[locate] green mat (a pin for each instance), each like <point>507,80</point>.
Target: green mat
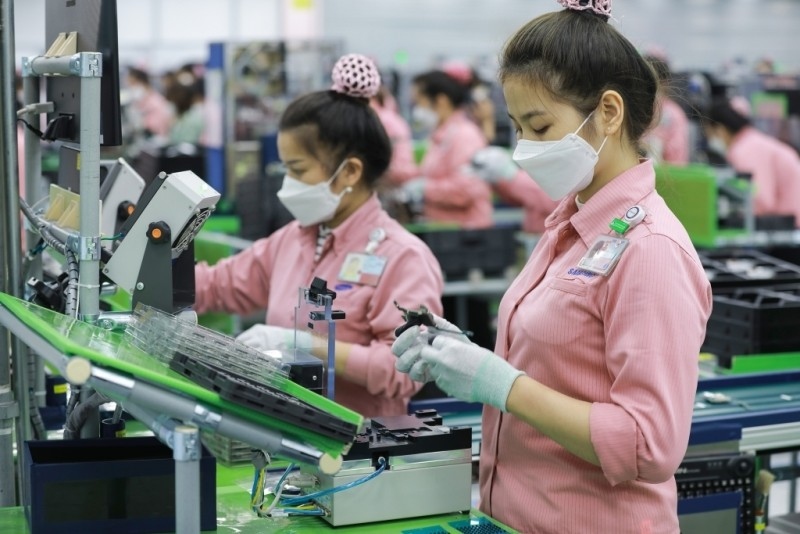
<point>111,351</point>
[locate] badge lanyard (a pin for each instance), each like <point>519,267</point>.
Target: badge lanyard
<point>605,252</point>
<point>365,268</point>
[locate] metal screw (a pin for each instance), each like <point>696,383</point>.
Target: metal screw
<point>140,286</point>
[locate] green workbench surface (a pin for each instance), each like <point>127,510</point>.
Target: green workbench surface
<point>234,515</point>
<point>110,350</point>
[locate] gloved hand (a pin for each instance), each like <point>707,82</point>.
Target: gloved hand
<point>469,372</point>
<point>268,337</point>
<point>408,347</point>
<point>413,191</point>
<point>492,164</point>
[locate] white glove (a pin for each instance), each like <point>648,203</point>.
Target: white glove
<point>408,347</point>
<point>267,337</point>
<point>414,190</point>
<point>469,372</point>
<point>492,164</point>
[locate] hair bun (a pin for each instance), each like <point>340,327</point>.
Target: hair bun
<point>598,7</point>
<point>356,75</point>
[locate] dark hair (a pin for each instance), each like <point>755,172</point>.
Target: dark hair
<point>344,126</point>
<point>139,75</point>
<point>721,113</point>
<point>437,82</point>
<point>576,56</point>
<point>660,67</point>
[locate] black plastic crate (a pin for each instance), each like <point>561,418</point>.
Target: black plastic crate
<point>490,251</point>
<point>732,268</point>
<point>754,320</point>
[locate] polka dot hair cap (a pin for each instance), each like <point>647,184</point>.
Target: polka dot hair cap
<point>599,7</point>
<point>356,75</point>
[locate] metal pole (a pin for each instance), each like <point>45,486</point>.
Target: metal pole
<point>12,280</point>
<point>33,191</point>
<point>89,253</point>
<point>186,453</point>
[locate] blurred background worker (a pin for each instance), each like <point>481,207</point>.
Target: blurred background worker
<point>402,167</point>
<point>669,140</point>
<point>150,112</point>
<point>446,192</point>
<point>335,150</point>
<point>773,165</point>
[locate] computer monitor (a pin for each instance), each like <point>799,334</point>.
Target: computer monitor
<point>96,24</point>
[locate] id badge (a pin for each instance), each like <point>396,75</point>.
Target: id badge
<point>603,255</point>
<point>364,269</point>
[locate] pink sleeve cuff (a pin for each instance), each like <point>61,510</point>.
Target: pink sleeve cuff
<point>614,436</point>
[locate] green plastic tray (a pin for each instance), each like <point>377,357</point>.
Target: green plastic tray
<point>111,351</point>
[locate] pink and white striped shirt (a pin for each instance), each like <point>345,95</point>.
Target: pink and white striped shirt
<point>627,343</point>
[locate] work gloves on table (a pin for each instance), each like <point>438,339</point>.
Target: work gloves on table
<point>268,337</point>
<point>459,367</point>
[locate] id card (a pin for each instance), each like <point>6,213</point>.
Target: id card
<point>603,255</point>
<point>365,269</point>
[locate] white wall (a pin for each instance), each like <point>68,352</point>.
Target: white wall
<point>696,33</point>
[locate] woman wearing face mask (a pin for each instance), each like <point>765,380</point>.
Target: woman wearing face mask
<point>335,149</point>
<point>774,166</point>
<point>446,191</point>
<point>588,396</point>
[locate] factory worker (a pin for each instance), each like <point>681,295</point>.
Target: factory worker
<point>774,165</point>
<point>588,396</point>
<point>446,192</point>
<point>402,167</point>
<point>335,149</point>
<point>668,140</point>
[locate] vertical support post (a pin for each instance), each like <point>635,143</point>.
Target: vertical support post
<point>11,349</point>
<point>33,191</point>
<point>186,453</point>
<point>89,253</point>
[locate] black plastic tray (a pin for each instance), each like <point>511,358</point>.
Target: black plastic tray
<point>246,392</point>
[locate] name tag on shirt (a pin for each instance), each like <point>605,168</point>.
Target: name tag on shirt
<point>603,255</point>
<point>364,269</point>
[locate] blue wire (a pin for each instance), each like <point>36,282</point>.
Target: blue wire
<point>295,511</point>
<point>283,477</point>
<point>292,501</point>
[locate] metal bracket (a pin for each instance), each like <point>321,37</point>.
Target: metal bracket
<point>86,248</point>
<point>186,444</point>
<point>82,65</point>
<point>9,410</point>
<point>205,418</point>
<point>89,64</point>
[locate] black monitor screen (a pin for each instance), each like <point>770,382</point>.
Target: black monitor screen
<point>96,24</point>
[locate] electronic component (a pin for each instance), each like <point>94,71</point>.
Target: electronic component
<point>706,475</point>
<point>170,212</point>
<point>419,317</point>
<point>428,471</point>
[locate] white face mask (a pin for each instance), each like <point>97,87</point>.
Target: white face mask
<point>311,204</point>
<point>560,167</point>
<point>716,144</point>
<point>424,119</point>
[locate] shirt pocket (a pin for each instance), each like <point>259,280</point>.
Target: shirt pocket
<point>570,285</point>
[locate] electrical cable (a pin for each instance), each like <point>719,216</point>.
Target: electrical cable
<point>31,127</point>
<point>292,501</point>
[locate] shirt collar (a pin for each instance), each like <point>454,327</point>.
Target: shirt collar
<point>360,222</point>
<point>611,201</point>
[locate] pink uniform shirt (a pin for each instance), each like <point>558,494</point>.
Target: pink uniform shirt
<point>269,273</point>
<point>775,167</point>
<point>671,134</point>
<point>521,190</point>
<point>452,195</point>
<point>627,343</point>
<point>402,167</point>
<point>157,113</point>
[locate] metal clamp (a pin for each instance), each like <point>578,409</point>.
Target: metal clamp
<point>205,418</point>
<point>83,65</point>
<point>9,410</point>
<point>86,248</point>
<point>186,444</point>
